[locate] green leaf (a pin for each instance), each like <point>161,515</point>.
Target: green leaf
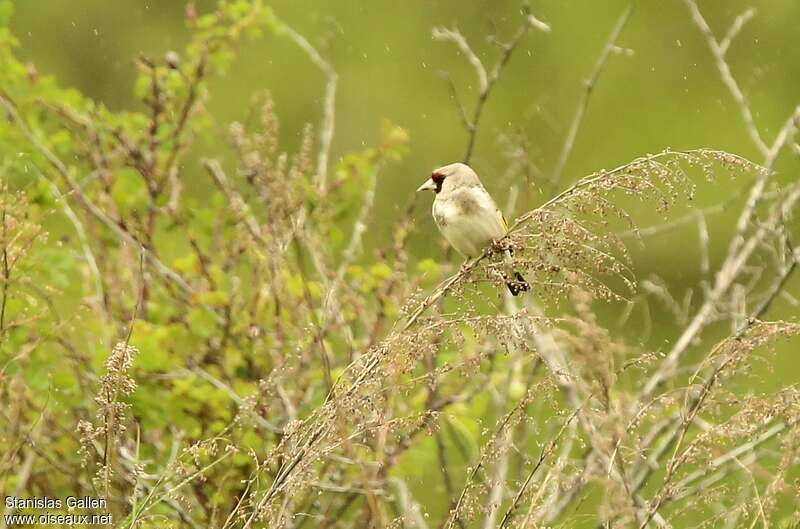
<point>187,263</point>
<point>381,271</point>
<point>202,322</point>
<point>6,10</point>
<point>129,191</point>
<point>429,267</point>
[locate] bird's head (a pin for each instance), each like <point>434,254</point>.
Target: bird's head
<point>450,177</point>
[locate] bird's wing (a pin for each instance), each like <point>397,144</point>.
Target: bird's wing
<point>502,220</point>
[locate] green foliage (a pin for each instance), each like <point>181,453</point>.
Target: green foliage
<point>177,329</point>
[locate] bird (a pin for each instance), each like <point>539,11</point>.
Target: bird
<point>468,217</point>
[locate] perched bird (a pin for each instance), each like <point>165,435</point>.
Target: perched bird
<point>468,217</point>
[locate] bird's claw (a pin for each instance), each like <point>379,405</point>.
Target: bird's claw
<point>499,245</point>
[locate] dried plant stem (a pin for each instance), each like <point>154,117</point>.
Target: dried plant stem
<point>695,400</point>
<point>643,474</point>
<point>24,472</point>
<point>739,252</point>
<point>240,402</point>
<point>546,451</point>
<point>499,428</point>
<point>583,104</point>
<point>688,218</point>
<point>98,213</point>
<point>778,285</point>
<point>505,442</point>
<point>187,108</point>
<point>740,248</point>
<point>6,270</point>
<point>88,254</point>
<point>718,50</point>
<point>486,79</point>
<point>329,104</point>
<point>732,455</point>
<point>349,255</point>
<point>412,513</point>
<point>468,267</point>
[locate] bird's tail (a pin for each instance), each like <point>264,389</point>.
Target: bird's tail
<point>517,285</point>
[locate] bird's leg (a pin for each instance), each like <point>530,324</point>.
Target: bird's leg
<point>464,267</point>
<point>500,245</point>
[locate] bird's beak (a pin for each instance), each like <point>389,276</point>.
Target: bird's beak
<point>428,185</point>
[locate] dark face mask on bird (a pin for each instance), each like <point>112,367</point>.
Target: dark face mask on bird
<point>468,217</point>
<point>434,183</point>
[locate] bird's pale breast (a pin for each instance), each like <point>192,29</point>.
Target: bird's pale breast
<point>468,219</point>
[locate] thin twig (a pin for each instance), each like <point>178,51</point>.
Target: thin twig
<point>739,251</point>
<point>546,451</point>
<point>589,84</point>
<point>718,50</point>
<point>240,402</point>
<point>445,286</point>
<point>329,104</point>
<point>75,189</point>
<point>486,79</point>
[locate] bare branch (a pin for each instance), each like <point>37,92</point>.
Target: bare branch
<point>736,27</point>
<point>454,36</point>
<point>75,189</point>
<point>718,51</point>
<point>739,252</point>
<point>329,105</point>
<point>486,79</point>
<point>589,84</point>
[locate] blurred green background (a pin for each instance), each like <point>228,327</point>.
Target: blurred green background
<point>661,91</point>
<point>664,92</point>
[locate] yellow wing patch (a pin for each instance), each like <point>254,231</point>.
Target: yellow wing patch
<point>503,220</point>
